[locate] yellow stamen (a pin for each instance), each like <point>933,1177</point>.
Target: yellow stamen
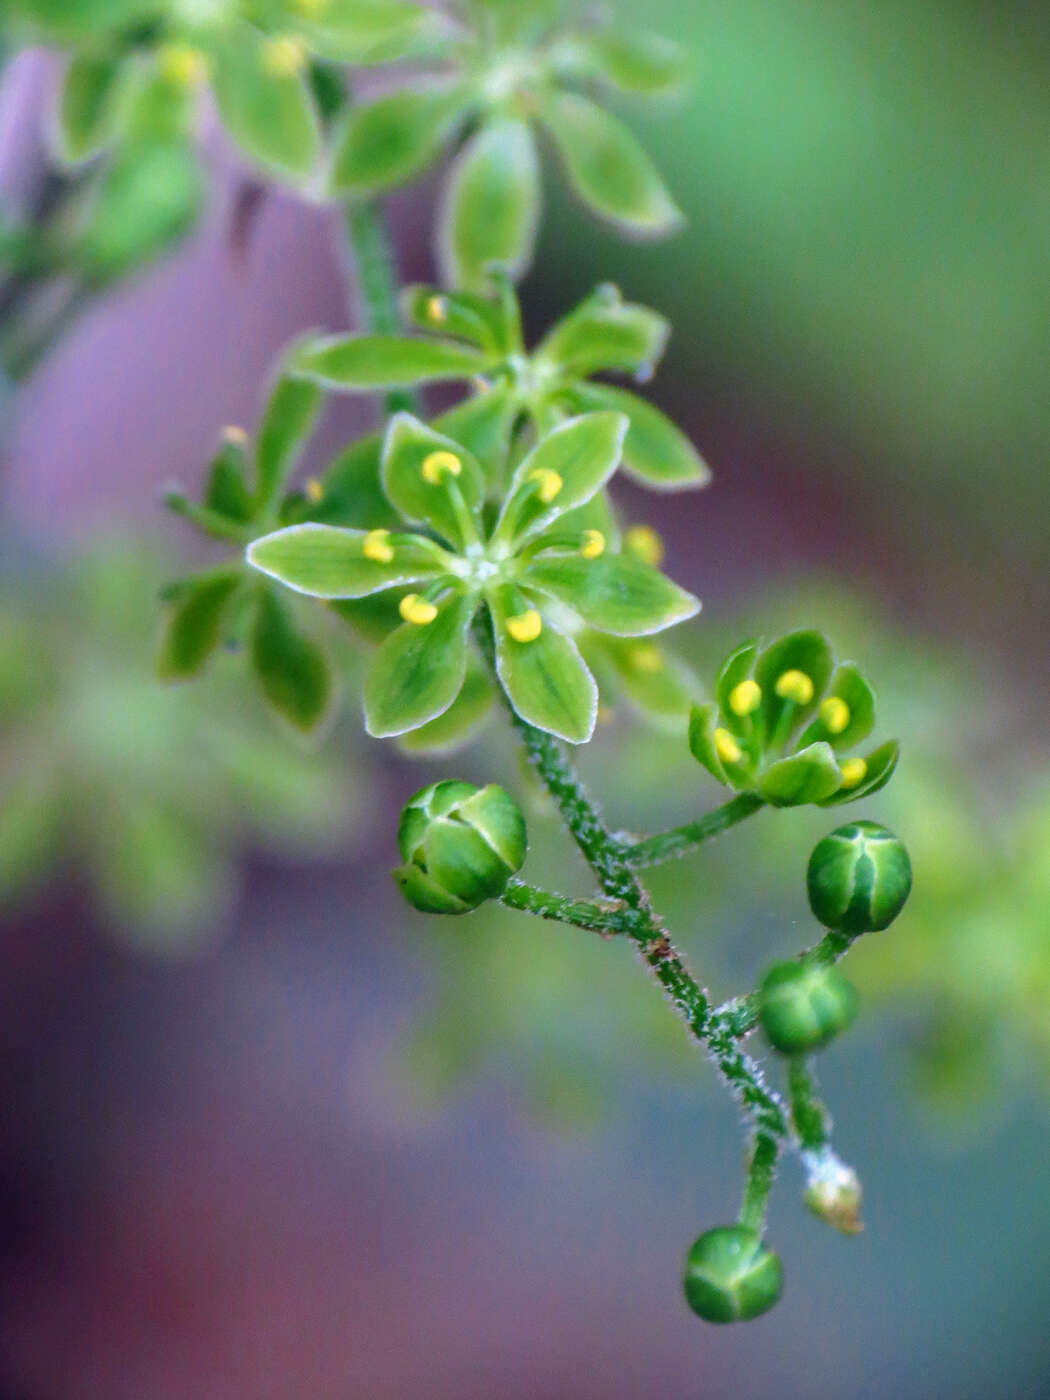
<point>550,483</point>
<point>526,627</point>
<point>645,544</point>
<point>726,747</point>
<point>648,659</point>
<point>415,609</point>
<point>796,686</point>
<point>437,309</point>
<point>231,433</point>
<point>311,9</point>
<point>314,490</point>
<point>745,698</point>
<point>377,547</point>
<point>854,771</point>
<point>183,66</point>
<point>835,713</point>
<point>283,56</point>
<point>593,546</point>
<point>436,464</point>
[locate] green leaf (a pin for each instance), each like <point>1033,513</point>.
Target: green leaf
<point>483,423</point>
<point>329,561</point>
<point>491,205</point>
<point>448,504</point>
<point>805,651</point>
<point>465,315</point>
<point>291,668</point>
<point>849,686</point>
<point>582,452</point>
<point>460,722</point>
<point>608,168</point>
<point>288,421</point>
<point>271,115</point>
<point>359,362</point>
<point>227,491</point>
<point>881,765</point>
<point>418,671</point>
<point>615,593</point>
<point>703,720</point>
<point>194,627</point>
<point>634,60</point>
<point>605,333</point>
<point>655,451</point>
<point>392,140</point>
<point>546,679</point>
<point>89,104</point>
<point>811,775</point>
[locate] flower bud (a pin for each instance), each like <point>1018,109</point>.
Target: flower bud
<point>801,1006</point>
<point>460,844</point>
<point>833,1191</point>
<point>730,1276</point>
<point>858,878</point>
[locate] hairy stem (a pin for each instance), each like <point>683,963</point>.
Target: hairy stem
<point>580,913</point>
<point>761,1173</point>
<point>680,840</point>
<point>810,1117</point>
<point>374,261</point>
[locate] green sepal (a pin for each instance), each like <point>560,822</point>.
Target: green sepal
<point>736,668</point>
<point>606,333</point>
<point>811,775</point>
<point>882,763</point>
<point>655,451</point>
<point>483,423</point>
<point>418,671</point>
<point>703,721</point>
<point>89,104</point>
<point>849,685</point>
<point>288,421</point>
<point>607,167</point>
<point>546,680</point>
<point>272,117</point>
<point>329,561</point>
<point>460,722</point>
<point>292,669</point>
<point>615,593</point>
<point>806,651</point>
<point>464,315</point>
<point>633,60</point>
<point>459,859</point>
<point>490,208</point>
<point>407,446</point>
<point>392,140</point>
<point>360,362</point>
<point>193,628</point>
<point>226,491</point>
<point>425,894</point>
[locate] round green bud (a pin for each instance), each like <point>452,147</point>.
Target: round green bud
<point>460,844</point>
<point>730,1276</point>
<point>801,1006</point>
<point>858,878</point>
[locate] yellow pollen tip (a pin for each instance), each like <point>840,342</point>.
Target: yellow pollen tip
<point>835,713</point>
<point>647,659</point>
<point>645,544</point>
<point>593,546</point>
<point>854,771</point>
<point>314,490</point>
<point>745,698</point>
<point>183,66</point>
<point>796,686</point>
<point>549,482</point>
<point>437,310</point>
<point>231,433</point>
<point>727,748</point>
<point>377,547</point>
<point>283,56</point>
<point>526,627</point>
<point>436,464</point>
<point>417,610</point>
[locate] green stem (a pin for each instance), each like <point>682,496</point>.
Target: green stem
<point>761,1174</point>
<point>374,260</point>
<point>810,1117</point>
<point>682,839</point>
<point>581,913</point>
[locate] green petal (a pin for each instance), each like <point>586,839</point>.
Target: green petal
<point>805,651</point>
<point>290,415</point>
<point>292,670</point>
<point>352,493</point>
<point>655,451</point>
<point>392,140</point>
<point>882,763</point>
<point>491,205</point>
<point>426,894</point>
<point>89,104</point>
<point>634,60</point>
<point>328,561</point>
<point>849,685</point>
<point>703,720</point>
<point>449,505</point>
<point>83,19</point>
<point>460,722</point>
<point>655,681</point>
<point>583,451</point>
<point>737,666</point>
<point>271,116</point>
<point>359,362</point>
<point>546,680</point>
<point>194,626</point>
<point>606,333</point>
<point>595,514</point>
<point>418,671</point>
<point>608,168</point>
<point>483,423</point>
<point>227,490</point>
<point>615,593</point>
<point>465,315</point>
<point>368,31</point>
<point>811,775</point>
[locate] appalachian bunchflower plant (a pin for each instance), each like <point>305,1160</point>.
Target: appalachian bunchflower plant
<point>539,571</point>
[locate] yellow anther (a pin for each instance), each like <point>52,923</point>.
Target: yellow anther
<point>437,309</point>
<point>284,56</point>
<point>415,609</point>
<point>645,544</point>
<point>377,547</point>
<point>835,713</point>
<point>549,483</point>
<point>854,771</point>
<point>479,385</point>
<point>593,546</point>
<point>314,490</point>
<point>745,698</point>
<point>183,66</point>
<point>311,9</point>
<point>231,433</point>
<point>726,747</point>
<point>526,627</point>
<point>796,686</point>
<point>437,464</point>
<point>647,659</point>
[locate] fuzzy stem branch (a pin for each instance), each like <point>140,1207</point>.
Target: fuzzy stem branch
<point>605,919</point>
<point>761,1174</point>
<point>680,840</point>
<point>810,1117</point>
<point>373,256</point>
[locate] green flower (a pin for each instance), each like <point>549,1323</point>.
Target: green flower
<point>540,569</point>
<point>510,71</point>
<point>460,845</point>
<point>478,339</point>
<point>782,719</point>
<point>802,1006</point>
<point>730,1276</point>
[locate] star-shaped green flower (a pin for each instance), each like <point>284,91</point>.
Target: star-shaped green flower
<point>541,573</point>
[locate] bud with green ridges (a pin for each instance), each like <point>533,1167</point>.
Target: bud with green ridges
<point>461,844</point>
<point>801,1006</point>
<point>730,1276</point>
<point>858,878</point>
